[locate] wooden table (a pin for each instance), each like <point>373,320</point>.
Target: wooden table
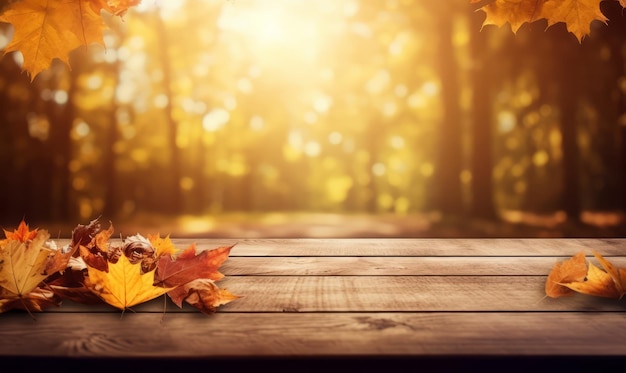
<point>366,302</point>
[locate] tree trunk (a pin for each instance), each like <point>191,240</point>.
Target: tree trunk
<point>111,197</point>
<point>449,152</point>
<point>482,204</point>
<point>567,73</point>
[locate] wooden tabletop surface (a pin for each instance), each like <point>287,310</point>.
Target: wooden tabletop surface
<point>360,299</point>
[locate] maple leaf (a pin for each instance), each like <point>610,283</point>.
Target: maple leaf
<point>123,286</point>
<point>514,12</point>
<point>571,270</point>
<point>576,14</point>
<point>187,266</point>
<point>24,265</point>
<point>49,29</point>
<point>21,233</point>
<point>201,293</point>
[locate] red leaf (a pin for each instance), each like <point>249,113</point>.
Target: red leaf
<point>188,266</point>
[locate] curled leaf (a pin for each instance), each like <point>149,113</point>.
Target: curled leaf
<point>571,270</point>
<point>607,282</point>
<point>203,294</point>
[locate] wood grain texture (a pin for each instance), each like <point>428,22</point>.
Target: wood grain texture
<point>395,266</point>
<point>312,334</point>
<point>351,297</point>
<point>382,247</point>
<point>414,247</point>
<point>277,294</point>
<point>402,294</point>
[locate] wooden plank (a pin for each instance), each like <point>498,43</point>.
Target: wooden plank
<point>383,294</point>
<point>401,294</point>
<point>336,334</point>
<point>395,266</point>
<point>522,247</point>
<point>414,247</point>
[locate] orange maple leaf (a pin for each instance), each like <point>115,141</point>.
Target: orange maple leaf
<point>21,233</point>
<point>187,266</point>
<point>193,277</point>
<point>576,14</point>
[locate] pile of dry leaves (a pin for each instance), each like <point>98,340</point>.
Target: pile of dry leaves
<point>36,274</point>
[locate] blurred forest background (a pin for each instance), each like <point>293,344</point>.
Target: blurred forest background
<point>334,118</point>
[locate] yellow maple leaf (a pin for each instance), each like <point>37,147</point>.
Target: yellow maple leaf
<point>23,265</point>
<point>49,29</point>
<point>576,14</point>
<point>514,12</point>
<point>123,286</point>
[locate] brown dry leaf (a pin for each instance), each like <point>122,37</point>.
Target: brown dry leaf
<point>98,251</point>
<point>70,285</point>
<point>203,294</point>
<point>572,270</point>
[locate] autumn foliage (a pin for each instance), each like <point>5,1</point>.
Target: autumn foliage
<point>577,15</point>
<point>45,30</point>
<point>35,274</point>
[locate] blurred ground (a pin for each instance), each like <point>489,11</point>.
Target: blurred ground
<point>512,224</point>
